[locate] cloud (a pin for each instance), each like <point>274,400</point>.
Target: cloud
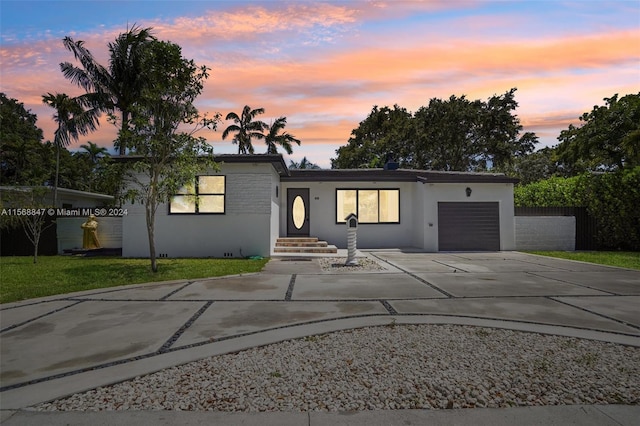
<point>324,65</point>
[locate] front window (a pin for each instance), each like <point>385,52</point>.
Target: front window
<point>370,205</point>
<point>204,195</point>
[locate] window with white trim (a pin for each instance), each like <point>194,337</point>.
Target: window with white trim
<point>370,205</point>
<point>205,195</point>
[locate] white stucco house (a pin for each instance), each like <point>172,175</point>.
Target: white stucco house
<point>253,200</point>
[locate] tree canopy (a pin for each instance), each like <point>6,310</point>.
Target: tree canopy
<point>608,139</point>
<point>453,134</point>
<point>23,161</point>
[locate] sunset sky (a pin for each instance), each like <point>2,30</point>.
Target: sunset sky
<point>324,65</point>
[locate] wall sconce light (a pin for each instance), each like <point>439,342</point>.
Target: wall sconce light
<point>468,191</point>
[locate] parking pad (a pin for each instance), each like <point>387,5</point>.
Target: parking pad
<point>529,309</point>
<point>87,334</point>
<point>224,319</point>
<point>16,315</point>
<point>154,291</point>
<point>490,265</point>
<point>504,284</point>
<point>417,263</point>
<point>625,308</point>
<point>251,287</point>
<point>621,281</point>
<point>361,287</point>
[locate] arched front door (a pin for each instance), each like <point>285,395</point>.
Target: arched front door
<point>298,212</point>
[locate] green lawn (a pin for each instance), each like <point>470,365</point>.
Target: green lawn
<point>21,279</point>
<point>623,259</point>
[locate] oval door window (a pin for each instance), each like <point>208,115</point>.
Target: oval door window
<point>298,212</point>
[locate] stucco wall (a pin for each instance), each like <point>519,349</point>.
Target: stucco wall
<point>322,215</point>
<point>70,233</point>
<point>451,192</point>
<point>545,233</point>
<point>244,230</point>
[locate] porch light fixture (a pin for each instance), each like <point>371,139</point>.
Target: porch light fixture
<point>468,191</point>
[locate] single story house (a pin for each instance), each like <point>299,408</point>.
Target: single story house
<point>253,200</point>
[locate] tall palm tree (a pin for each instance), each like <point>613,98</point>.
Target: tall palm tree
<point>121,84</point>
<point>94,151</point>
<point>73,120</point>
<point>272,138</point>
<point>245,128</point>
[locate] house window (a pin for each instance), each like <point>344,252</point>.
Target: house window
<point>204,195</point>
<point>370,205</point>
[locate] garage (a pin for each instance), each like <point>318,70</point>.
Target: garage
<point>468,226</point>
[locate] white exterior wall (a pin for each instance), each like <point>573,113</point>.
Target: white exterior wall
<point>244,230</point>
<point>546,233</point>
<point>70,232</point>
<point>481,192</point>
<point>322,215</point>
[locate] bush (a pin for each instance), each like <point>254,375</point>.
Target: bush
<point>612,198</point>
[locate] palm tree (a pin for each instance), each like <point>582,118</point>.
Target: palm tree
<point>119,86</point>
<point>73,120</point>
<point>303,164</point>
<point>284,140</point>
<point>245,128</point>
<point>94,151</point>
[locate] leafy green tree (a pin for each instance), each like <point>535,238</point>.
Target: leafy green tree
<point>463,135</point>
<point>608,139</point>
<point>303,164</point>
<point>73,120</point>
<point>536,166</point>
<point>118,86</point>
<point>166,157</point>
<point>22,157</point>
<point>273,138</point>
<point>453,134</point>
<point>448,134</point>
<point>246,127</point>
<point>385,134</point>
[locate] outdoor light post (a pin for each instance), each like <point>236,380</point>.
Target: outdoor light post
<point>352,228</point>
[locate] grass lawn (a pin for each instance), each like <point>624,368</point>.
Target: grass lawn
<point>623,259</point>
<point>21,279</point>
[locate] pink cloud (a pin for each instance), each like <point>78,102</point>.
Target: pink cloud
<point>327,88</point>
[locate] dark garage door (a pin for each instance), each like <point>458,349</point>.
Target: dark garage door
<point>468,226</point>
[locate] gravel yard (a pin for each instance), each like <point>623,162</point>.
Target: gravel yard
<point>389,367</point>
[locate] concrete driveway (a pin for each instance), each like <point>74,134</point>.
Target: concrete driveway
<point>56,346</point>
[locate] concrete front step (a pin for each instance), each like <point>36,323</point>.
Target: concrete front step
<point>327,249</point>
<point>302,244</point>
<point>297,240</point>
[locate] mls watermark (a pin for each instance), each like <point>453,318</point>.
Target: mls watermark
<point>66,212</point>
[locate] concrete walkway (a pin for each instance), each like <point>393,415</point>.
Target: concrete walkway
<point>57,346</point>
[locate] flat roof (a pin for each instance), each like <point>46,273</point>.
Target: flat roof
<point>353,175</point>
<point>399,175</point>
<point>276,160</point>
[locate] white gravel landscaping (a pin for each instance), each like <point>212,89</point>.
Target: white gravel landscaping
<point>337,264</point>
<point>389,367</point>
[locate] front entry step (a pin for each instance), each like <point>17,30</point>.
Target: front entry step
<point>303,245</point>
